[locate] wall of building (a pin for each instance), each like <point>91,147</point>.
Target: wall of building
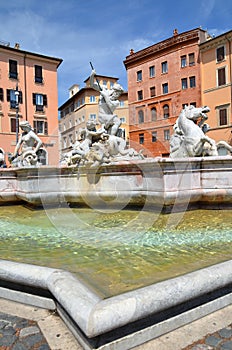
<point>47,118</point>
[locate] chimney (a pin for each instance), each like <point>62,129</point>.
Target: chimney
<point>175,32</point>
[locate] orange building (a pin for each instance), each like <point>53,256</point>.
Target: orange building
<point>28,91</point>
<point>81,106</point>
<point>162,79</point>
<point>216,70</point>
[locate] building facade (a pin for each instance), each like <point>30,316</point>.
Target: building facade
<point>162,79</point>
<point>81,106</point>
<point>28,91</point>
<point>216,70</point>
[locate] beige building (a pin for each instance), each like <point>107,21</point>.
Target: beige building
<point>216,85</point>
<point>81,106</point>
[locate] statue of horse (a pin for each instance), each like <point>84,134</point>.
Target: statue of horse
<point>189,139</point>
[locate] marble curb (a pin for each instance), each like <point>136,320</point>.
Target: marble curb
<point>96,316</point>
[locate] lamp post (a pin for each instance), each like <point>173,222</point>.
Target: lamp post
<point>17,112</point>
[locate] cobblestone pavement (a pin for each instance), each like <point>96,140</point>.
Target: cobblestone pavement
<point>220,340</point>
<point>18,333</point>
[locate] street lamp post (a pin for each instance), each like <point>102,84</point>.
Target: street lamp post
<point>17,113</point>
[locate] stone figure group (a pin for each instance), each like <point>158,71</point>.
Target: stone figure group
<point>189,138</point>
<point>25,153</point>
<point>98,146</point>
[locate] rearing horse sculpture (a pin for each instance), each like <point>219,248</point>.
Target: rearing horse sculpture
<point>189,140</point>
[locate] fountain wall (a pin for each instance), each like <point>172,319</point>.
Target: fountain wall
<point>156,181</point>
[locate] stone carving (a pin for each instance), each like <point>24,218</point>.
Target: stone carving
<point>190,139</point>
<point>102,146</point>
<point>29,144</point>
<point>108,102</point>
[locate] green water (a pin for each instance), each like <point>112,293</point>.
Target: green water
<point>116,251</point>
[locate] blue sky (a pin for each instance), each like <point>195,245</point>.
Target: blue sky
<point>103,32</point>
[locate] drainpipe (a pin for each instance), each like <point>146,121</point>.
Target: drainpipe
<point>25,86</point>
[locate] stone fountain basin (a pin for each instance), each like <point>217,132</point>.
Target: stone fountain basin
<point>125,320</point>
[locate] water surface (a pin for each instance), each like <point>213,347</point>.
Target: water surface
<point>116,251</point>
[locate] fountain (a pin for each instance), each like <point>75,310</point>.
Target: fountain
<point>103,251</point>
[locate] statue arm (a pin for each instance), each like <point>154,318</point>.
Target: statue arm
<point>93,84</point>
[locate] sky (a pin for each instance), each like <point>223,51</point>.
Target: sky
<point>103,31</point>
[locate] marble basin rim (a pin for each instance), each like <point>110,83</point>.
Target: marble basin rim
<point>96,316</point>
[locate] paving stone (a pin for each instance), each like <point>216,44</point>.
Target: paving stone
<point>28,331</point>
<point>202,347</point>
<point>212,340</point>
<point>7,340</point>
<point>44,347</point>
<point>227,345</point>
<point>32,340</point>
<point>225,332</point>
<point>19,346</point>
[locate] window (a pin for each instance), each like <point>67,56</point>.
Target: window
<point>92,117</point>
<point>13,99</point>
<point>13,124</point>
<point>166,111</point>
<point>121,103</point>
<point>152,71</point>
<point>141,139</point>
<point>220,53</point>
<point>42,156</point>
<point>193,104</point>
<point>1,94</point>
<point>13,70</point>
<point>140,95</point>
<point>122,120</point>
<point>183,61</point>
<point>221,76</point>
<point>184,83</point>
<point>38,74</point>
<point>192,82</point>
<point>164,67</point>
<point>152,91</point>
<point>40,127</point>
<point>153,114</point>
<point>191,59</point>
<point>167,134</point>
<point>154,136</point>
<point>139,75</point>
<point>92,99</point>
<point>141,117</point>
<point>165,88</point>
<point>223,116</point>
<point>39,101</point>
